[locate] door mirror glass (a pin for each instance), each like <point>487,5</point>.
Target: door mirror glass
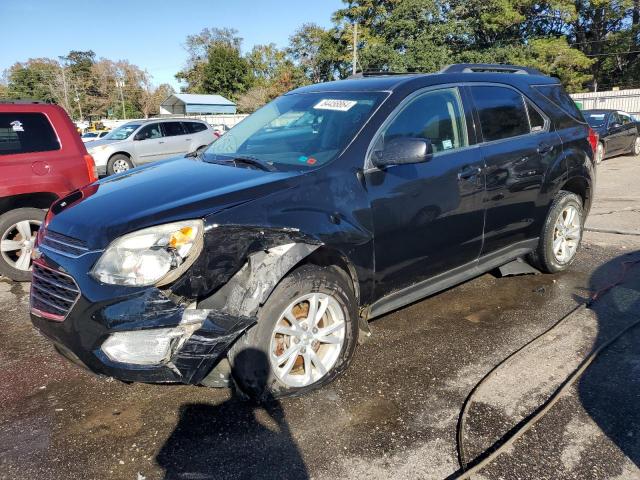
<point>614,125</point>
<point>403,150</point>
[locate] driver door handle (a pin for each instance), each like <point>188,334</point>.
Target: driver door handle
<point>469,171</point>
<point>545,148</point>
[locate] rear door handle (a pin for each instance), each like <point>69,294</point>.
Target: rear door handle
<point>469,171</point>
<point>187,139</point>
<point>544,148</point>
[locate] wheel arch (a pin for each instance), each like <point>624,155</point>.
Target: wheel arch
<point>41,200</point>
<point>581,187</point>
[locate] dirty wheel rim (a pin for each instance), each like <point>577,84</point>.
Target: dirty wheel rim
<point>17,243</point>
<point>566,234</point>
<point>636,146</point>
<point>307,339</point>
<point>599,153</point>
<point>120,166</point>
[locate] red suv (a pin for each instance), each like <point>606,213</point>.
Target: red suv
<point>42,158</point>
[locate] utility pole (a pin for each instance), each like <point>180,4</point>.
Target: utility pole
<point>63,65</point>
<point>120,85</point>
<point>75,88</point>
<point>355,47</point>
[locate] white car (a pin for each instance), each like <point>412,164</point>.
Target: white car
<point>143,141</point>
<point>91,136</point>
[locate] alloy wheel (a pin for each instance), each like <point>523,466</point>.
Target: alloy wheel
<point>636,147</point>
<point>307,339</point>
<point>17,244</point>
<point>566,234</point>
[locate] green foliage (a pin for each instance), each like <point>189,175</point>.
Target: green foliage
<point>225,73</point>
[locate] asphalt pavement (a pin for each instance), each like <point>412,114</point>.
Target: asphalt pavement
<point>394,413</point>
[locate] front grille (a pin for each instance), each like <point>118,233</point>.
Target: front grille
<point>63,243</point>
<point>52,293</point>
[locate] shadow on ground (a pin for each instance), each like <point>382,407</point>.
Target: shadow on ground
<point>217,441</point>
<point>610,388</point>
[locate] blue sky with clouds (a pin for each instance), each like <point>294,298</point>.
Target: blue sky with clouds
<point>148,33</point>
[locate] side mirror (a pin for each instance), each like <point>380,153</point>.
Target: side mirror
<point>403,150</point>
<point>614,125</point>
<point>138,136</point>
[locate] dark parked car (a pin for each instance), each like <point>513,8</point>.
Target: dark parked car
<point>42,159</point>
<point>618,132</point>
<point>330,206</point>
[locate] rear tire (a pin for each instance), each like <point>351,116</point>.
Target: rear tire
<point>15,249</point>
<point>561,234</point>
<point>118,163</point>
<point>314,353</point>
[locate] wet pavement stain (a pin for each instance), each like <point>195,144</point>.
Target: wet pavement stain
<point>393,413</point>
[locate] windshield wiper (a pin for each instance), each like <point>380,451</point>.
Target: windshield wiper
<point>253,161</point>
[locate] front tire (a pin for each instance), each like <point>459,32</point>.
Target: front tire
<point>305,336</point>
<point>561,234</point>
<point>119,163</point>
<point>600,153</point>
<point>635,150</point>
<point>17,236</point>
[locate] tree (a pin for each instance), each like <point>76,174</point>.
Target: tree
<point>318,52</point>
<point>198,48</point>
<point>226,73</point>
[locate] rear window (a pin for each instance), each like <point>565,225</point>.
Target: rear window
<point>502,112</point>
<point>556,94</point>
<point>194,127</point>
<point>26,133</point>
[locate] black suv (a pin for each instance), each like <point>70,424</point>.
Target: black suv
<point>334,204</point>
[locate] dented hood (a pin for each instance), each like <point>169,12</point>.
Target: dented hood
<point>158,193</point>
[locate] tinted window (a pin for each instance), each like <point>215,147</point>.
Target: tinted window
<point>502,112</point>
<point>26,133</point>
<point>171,129</point>
<point>614,118</point>
<point>436,116</point>
<point>149,132</point>
<point>535,118</point>
<point>194,127</point>
<point>557,95</point>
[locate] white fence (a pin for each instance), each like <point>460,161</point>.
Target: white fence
<point>625,100</point>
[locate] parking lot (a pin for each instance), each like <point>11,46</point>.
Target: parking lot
<point>395,411</point>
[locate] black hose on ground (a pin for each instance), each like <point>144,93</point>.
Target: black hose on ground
<point>470,468</point>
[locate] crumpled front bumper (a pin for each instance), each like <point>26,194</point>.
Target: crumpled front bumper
<point>102,310</point>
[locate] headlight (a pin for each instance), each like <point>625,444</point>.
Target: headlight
<point>155,255</point>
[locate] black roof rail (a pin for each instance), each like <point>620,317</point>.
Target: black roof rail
<point>379,73</point>
<point>489,67</point>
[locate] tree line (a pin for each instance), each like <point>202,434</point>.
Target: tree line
<point>86,87</point>
<point>588,44</point>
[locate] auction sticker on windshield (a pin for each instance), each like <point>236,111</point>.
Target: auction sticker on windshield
<point>335,104</point>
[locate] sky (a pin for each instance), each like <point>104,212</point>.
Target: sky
<point>149,34</point>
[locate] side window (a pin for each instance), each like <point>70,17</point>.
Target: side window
<point>172,129</point>
<point>535,118</point>
<point>502,112</point>
<point>149,132</point>
<point>26,133</point>
<point>625,119</point>
<point>615,118</point>
<point>556,94</point>
<point>194,127</point>
<point>436,116</point>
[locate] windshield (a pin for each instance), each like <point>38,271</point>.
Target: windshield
<point>298,130</point>
<point>595,119</point>
<point>122,132</point>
